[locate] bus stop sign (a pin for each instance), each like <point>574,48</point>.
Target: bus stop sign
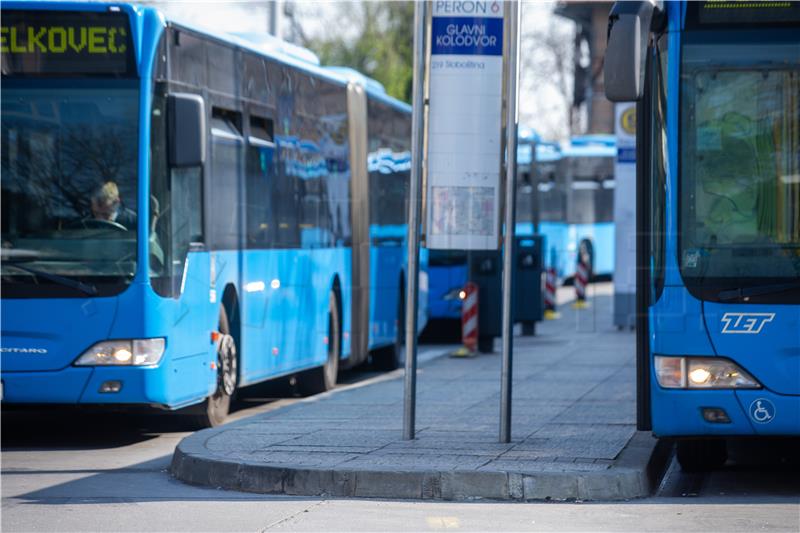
<point>465,126</point>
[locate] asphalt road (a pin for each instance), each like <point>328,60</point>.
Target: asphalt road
<point>68,471</point>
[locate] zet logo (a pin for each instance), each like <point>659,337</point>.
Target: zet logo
<point>745,322</point>
<point>628,120</point>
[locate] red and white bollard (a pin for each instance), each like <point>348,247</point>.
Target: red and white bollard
<point>550,294</point>
<point>469,320</point>
<point>581,280</point>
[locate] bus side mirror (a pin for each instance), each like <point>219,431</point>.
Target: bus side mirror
<point>186,124</point>
<point>624,65</point>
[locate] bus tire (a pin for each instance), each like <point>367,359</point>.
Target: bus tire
<point>700,455</point>
<point>214,409</point>
<point>390,357</point>
<point>586,254</point>
<point>323,378</point>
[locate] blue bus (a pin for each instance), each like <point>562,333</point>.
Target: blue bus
<point>185,213</point>
<point>718,246</point>
<point>575,188</point>
<point>568,193</point>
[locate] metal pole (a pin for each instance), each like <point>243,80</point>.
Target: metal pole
<point>511,68</point>
<point>535,206</point>
<point>272,8</point>
<point>414,208</point>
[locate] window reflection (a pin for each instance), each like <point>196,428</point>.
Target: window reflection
<point>740,150</point>
<point>69,178</point>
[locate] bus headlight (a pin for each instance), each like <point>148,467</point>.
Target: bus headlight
<point>702,373</point>
<point>455,294</point>
<point>131,352</point>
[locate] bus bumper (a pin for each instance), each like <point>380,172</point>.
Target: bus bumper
<point>679,413</point>
<point>75,385</point>
<point>62,386</point>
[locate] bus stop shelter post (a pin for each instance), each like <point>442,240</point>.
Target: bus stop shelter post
<point>414,210</point>
<point>511,73</point>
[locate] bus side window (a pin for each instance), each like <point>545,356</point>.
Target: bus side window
<point>185,213</point>
<point>187,58</point>
<point>284,188</point>
<point>389,173</point>
<point>312,170</point>
<point>224,182</point>
<point>176,213</point>
<point>260,173</point>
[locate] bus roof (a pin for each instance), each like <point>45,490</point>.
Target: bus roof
<point>546,152</point>
<point>271,44</point>
<point>299,57</point>
<point>264,44</point>
<point>528,134</point>
<point>373,87</point>
<point>352,74</point>
<point>591,145</point>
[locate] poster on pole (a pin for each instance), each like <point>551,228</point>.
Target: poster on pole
<point>465,126</point>
<point>625,217</point>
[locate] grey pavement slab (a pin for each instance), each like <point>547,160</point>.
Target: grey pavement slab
<point>573,429</point>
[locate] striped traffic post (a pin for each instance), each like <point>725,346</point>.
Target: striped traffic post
<point>550,289</point>
<point>469,321</point>
<point>581,279</point>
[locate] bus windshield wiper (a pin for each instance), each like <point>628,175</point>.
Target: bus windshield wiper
<point>759,290</point>
<point>85,288</point>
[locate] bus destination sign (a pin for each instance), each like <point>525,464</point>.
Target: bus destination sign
<point>745,12</point>
<point>66,43</point>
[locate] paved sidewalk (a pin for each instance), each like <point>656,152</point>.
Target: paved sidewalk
<point>573,429</point>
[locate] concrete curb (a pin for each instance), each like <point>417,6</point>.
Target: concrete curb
<point>634,474</point>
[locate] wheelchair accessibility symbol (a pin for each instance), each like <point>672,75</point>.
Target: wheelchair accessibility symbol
<point>762,411</point>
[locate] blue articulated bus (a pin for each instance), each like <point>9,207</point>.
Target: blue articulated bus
<point>586,226</point>
<point>718,140</point>
<point>185,213</point>
<point>575,188</point>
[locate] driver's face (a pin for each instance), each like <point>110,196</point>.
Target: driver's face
<point>104,210</point>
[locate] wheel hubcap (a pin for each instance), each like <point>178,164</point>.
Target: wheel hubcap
<point>227,365</point>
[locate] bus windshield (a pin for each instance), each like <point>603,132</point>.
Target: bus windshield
<point>68,184</point>
<point>740,159</point>
<point>591,188</point>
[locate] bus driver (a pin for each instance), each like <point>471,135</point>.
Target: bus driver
<point>107,206</point>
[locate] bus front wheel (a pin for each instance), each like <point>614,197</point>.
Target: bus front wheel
<point>700,455</point>
<point>586,255</point>
<point>214,409</point>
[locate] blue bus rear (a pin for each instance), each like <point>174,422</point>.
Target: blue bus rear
<point>719,221</point>
<point>577,206</point>
<point>447,275</point>
<point>135,276</point>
